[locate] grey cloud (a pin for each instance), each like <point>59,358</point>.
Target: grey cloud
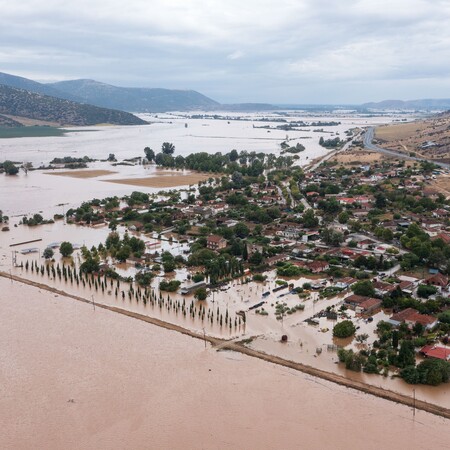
<point>276,51</point>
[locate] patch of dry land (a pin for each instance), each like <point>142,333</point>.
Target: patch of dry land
<point>356,157</point>
<point>82,173</point>
<point>441,184</point>
<point>165,179</point>
<point>428,138</point>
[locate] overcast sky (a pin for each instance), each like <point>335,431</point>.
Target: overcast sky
<point>278,51</point>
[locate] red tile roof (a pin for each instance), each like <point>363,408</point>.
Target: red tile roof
<point>433,351</point>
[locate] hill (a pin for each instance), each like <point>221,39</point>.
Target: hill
<point>22,103</point>
<point>134,99</point>
<point>428,138</point>
<point>33,86</point>
<point>437,104</point>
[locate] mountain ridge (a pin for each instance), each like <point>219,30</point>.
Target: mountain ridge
<point>141,100</point>
<point>22,103</point>
<point>433,104</point>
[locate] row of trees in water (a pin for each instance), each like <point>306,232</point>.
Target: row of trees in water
<point>125,289</point>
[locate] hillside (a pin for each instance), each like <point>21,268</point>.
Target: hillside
<point>438,104</point>
<point>33,86</point>
<point>7,122</point>
<point>429,138</point>
<point>135,99</point>
<point>31,105</point>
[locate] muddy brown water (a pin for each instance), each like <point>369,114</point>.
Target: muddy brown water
<point>75,378</point>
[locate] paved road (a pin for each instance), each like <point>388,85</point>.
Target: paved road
<point>368,138</point>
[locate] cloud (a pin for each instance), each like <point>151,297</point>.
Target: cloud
<point>266,50</point>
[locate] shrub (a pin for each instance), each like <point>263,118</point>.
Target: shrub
<point>169,286</point>
<point>344,329</point>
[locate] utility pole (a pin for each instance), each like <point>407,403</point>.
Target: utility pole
<point>93,302</point>
<point>414,403</point>
<point>204,336</point>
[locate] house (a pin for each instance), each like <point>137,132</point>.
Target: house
<point>410,316</point>
<point>407,287</point>
<point>362,304</point>
<point>344,283</point>
<point>132,260</point>
<point>189,289</point>
<point>443,236</point>
<point>310,236</point>
<point>215,242</point>
<point>438,280</point>
<point>433,351</point>
<point>366,244</point>
<point>383,289</point>
<point>318,266</point>
<point>276,259</point>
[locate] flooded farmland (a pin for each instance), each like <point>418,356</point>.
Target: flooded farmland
<point>79,378</point>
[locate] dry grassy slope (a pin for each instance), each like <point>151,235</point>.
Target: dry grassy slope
<point>413,137</point>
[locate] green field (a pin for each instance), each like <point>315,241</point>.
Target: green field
<point>19,132</point>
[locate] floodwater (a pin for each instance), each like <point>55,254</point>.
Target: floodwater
<point>201,135</point>
<point>75,378</point>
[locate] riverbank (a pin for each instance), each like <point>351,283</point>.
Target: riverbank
<point>239,348</point>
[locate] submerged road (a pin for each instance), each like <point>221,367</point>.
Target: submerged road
<point>368,138</point>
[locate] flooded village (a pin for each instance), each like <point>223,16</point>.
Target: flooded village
<point>336,266</point>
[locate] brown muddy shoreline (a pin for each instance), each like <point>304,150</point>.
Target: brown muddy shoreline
<point>236,347</point>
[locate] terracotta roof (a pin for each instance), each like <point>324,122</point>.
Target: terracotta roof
<point>433,351</point>
<point>412,315</point>
<point>215,238</point>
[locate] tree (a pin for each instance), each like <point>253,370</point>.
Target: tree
<point>406,354</point>
<point>10,168</point>
<point>112,157</point>
<point>344,329</point>
<point>48,253</point>
<point>201,294</point>
<point>245,252</point>
<point>332,237</point>
<point>233,155</point>
<point>395,339</point>
<point>343,217</point>
<point>241,230</point>
<point>256,258</point>
<point>123,253</point>
<point>309,219</point>
<point>237,178</point>
<point>169,265</point>
<point>380,201</point>
<point>425,290</point>
<point>149,154</point>
<point>66,249</point>
<point>387,234</point>
<point>361,338</point>
<point>364,287</point>
<point>167,148</point>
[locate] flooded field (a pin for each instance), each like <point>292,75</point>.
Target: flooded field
<point>80,378</point>
<point>199,135</point>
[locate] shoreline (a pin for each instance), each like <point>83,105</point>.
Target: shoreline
<point>224,344</point>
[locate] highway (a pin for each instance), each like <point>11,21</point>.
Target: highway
<point>368,138</point>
